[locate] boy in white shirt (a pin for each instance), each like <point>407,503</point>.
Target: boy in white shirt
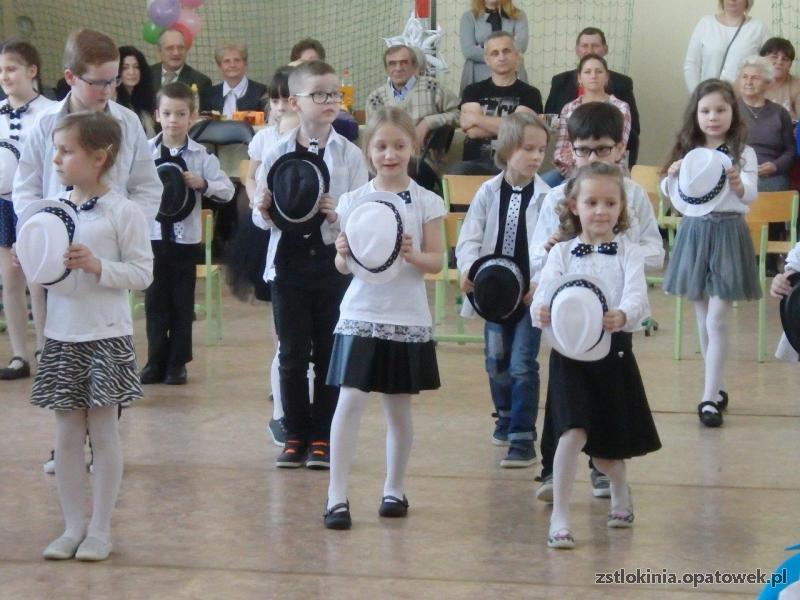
<point>595,130</point>
<point>169,301</point>
<point>307,289</point>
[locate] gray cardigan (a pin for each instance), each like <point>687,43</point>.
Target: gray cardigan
<point>771,135</point>
<point>473,34</point>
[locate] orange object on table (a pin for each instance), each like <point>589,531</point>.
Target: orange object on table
<point>254,117</point>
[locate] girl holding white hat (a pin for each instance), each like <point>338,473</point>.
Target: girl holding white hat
<point>19,77</point>
<point>712,177</point>
<point>391,237</point>
<point>594,282</point>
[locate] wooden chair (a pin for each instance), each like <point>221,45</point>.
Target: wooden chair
<point>458,191</point>
<point>211,274</point>
<point>770,207</point>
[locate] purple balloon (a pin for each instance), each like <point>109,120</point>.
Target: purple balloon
<point>164,12</point>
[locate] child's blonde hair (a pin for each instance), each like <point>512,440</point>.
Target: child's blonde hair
<point>390,115</point>
<point>569,222</point>
<point>95,131</point>
<point>511,134</point>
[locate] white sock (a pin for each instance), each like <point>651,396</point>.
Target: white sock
<point>275,386</point>
<point>399,438</point>
<point>14,305</point>
<point>565,465</point>
<point>71,476</point>
<point>615,470</point>
<point>344,435</point>
<point>104,433</point>
<point>712,320</point>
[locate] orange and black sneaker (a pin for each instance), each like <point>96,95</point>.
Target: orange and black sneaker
<point>319,455</point>
<point>293,455</point>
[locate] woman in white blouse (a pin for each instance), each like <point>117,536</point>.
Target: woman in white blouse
<point>720,42</point>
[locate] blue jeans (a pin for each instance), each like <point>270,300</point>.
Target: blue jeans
<point>553,178</point>
<point>511,351</point>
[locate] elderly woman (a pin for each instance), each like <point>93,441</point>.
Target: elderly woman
<point>784,89</point>
<point>769,126</point>
<point>236,92</point>
<point>720,42</point>
<point>477,24</point>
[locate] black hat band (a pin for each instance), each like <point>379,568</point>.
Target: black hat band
<point>589,286</point>
<point>70,225</point>
<point>709,196</point>
<point>397,243</point>
<point>11,147</point>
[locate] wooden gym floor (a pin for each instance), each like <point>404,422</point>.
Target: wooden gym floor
<point>204,513</point>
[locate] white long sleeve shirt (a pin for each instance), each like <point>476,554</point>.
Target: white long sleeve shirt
<point>97,307</point>
<point>642,230</point>
<point>220,189</point>
<point>347,171</point>
<point>622,274</point>
<point>478,235</point>
<point>707,49</point>
<point>133,174</point>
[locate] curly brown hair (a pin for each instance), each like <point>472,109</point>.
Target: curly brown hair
<point>569,223</point>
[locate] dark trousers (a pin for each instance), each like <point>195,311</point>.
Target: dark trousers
<point>305,316</point>
<point>169,304</point>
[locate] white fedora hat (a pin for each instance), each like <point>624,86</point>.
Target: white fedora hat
<point>374,226</point>
<point>46,228</point>
<point>577,305</point>
<point>9,159</point>
<point>702,182</point>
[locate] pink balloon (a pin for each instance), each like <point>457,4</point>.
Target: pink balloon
<point>163,12</point>
<point>190,19</point>
<point>191,3</point>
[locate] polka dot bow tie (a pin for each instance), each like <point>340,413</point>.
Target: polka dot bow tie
<point>586,249</point>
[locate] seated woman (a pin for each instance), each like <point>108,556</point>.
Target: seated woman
<point>135,89</point>
<point>236,92</point>
<point>769,126</point>
<point>593,78</point>
<point>784,88</point>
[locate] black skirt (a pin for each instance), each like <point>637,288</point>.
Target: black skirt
<point>388,367</point>
<point>606,398</point>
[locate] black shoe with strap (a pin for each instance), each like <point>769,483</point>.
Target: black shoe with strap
<point>723,400</point>
<point>393,507</point>
<point>338,516</point>
<point>709,418</point>
<point>21,371</point>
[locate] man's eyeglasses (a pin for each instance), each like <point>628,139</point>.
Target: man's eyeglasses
<point>323,97</point>
<point>586,151</point>
<point>101,84</point>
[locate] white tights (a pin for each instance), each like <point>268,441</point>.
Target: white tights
<point>71,473</point>
<point>344,434</point>
<point>16,308</point>
<point>712,322</point>
<point>565,465</point>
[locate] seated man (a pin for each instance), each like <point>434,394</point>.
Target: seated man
<point>564,86</point>
<point>485,102</point>
<point>172,50</point>
<point>433,108</point>
<point>236,92</point>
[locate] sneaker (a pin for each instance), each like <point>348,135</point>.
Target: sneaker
<point>545,491</point>
<point>293,455</point>
<point>500,435</point>
<point>601,485</point>
<point>521,453</point>
<point>277,430</point>
<point>50,466</point>
<point>319,455</point>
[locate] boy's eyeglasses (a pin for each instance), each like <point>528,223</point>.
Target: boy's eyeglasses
<point>323,97</point>
<point>585,151</point>
<point>101,84</point>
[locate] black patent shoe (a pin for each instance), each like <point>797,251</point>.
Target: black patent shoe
<point>175,376</point>
<point>20,372</point>
<point>707,418</point>
<point>723,400</point>
<point>338,519</point>
<point>393,507</point>
<point>151,374</point>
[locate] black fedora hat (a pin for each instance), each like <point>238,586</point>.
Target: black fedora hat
<point>177,199</point>
<point>297,181</point>
<point>790,312</point>
<point>499,288</point>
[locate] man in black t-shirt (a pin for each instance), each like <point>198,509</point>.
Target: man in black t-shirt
<point>484,102</point>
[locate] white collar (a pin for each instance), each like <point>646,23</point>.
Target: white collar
<point>239,90</point>
<point>177,73</point>
<point>334,138</point>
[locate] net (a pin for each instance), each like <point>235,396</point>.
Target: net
<point>786,24</point>
<point>352,32</point>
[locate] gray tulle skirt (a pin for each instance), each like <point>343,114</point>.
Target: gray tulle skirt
<point>713,255</point>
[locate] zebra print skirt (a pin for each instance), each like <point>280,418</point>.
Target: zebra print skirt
<point>82,375</point>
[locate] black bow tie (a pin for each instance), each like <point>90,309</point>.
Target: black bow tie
<point>604,248</point>
<point>88,205</point>
<point>15,113</point>
<point>493,18</point>
<point>724,149</point>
